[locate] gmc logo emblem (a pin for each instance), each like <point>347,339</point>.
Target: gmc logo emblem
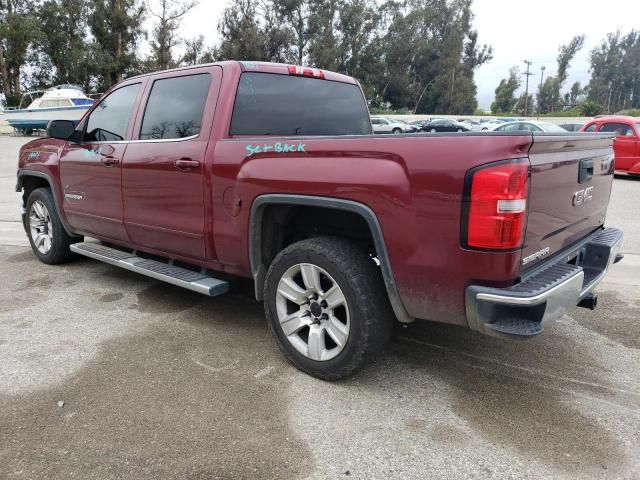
<point>582,196</point>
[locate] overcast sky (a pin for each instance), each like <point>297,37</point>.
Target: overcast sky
<point>517,30</point>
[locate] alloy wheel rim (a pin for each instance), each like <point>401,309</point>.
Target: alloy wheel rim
<point>313,312</point>
<point>40,227</point>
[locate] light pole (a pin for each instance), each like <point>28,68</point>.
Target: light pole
<point>526,88</point>
<point>540,89</point>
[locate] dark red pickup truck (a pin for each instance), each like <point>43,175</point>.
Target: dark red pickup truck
<point>271,172</point>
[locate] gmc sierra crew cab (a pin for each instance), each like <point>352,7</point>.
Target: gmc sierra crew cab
<point>270,171</point>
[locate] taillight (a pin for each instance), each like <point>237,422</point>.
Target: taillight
<point>495,214</point>
<point>305,71</point>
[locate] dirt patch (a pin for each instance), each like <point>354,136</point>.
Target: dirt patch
<point>165,298</point>
<point>111,297</point>
<point>27,256</point>
<point>39,281</point>
<point>158,406</point>
<point>448,434</point>
<point>515,414</point>
<point>624,327</point>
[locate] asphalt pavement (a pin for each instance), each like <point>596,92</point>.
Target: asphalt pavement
<point>105,374</point>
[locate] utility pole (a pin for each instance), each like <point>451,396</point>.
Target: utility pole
<point>540,89</point>
<point>526,88</point>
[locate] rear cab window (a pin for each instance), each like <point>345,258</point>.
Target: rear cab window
<point>284,105</point>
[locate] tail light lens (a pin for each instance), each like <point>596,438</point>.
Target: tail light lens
<point>495,213</point>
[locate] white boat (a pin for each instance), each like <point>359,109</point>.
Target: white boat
<point>63,102</point>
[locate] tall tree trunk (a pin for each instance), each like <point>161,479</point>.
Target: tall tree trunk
<point>6,87</point>
<point>118,53</point>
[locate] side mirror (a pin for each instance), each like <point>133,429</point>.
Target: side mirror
<point>62,129</point>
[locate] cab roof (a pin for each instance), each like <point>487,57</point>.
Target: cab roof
<point>263,67</point>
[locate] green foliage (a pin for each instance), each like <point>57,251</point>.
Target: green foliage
<point>164,36</point>
<point>425,72</point>
<point>389,111</point>
<point>565,56</point>
<point>589,108</point>
<point>245,37</point>
<point>505,100</point>
<point>63,41</point>
<point>18,29</point>
<point>563,113</point>
<point>615,64</point>
<point>116,26</point>
<point>631,113</point>
<point>429,54</point>
<point>410,56</point>
<point>549,95</point>
<point>520,105</point>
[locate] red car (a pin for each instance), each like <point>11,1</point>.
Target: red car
<point>272,172</point>
<point>627,142</point>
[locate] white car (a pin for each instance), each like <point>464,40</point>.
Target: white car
<point>528,126</point>
<point>384,125</point>
<point>490,125</point>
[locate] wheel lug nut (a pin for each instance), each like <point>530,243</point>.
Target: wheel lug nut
<point>323,304</point>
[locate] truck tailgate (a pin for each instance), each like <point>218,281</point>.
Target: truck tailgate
<point>571,179</point>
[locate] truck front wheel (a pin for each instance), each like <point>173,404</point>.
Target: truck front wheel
<point>47,236</point>
<point>327,307</point>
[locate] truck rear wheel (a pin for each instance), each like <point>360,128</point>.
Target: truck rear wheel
<point>327,307</point>
<point>47,236</point>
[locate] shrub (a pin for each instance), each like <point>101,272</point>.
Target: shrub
<point>590,108</point>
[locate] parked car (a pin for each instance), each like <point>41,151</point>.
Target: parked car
<point>469,123</point>
<point>627,143</point>
<point>385,125</point>
<point>528,126</point>
<point>572,127</point>
<point>490,124</point>
<point>444,125</point>
<point>283,183</point>
<point>420,123</point>
<point>412,128</point>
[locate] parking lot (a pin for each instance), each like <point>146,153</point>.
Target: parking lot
<point>105,374</point>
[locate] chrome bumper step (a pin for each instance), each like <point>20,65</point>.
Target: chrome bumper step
<point>181,277</point>
<point>523,309</point>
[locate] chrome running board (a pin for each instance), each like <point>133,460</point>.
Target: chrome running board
<point>181,277</point>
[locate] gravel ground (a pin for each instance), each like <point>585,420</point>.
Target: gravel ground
<point>108,375</point>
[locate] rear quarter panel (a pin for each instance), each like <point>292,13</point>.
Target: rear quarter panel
<point>413,183</point>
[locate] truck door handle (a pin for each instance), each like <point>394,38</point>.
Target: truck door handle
<point>109,161</point>
<point>186,163</point>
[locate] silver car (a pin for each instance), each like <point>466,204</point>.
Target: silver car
<point>384,125</point>
<point>529,126</point>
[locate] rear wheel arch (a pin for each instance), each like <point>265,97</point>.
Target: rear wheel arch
<point>262,232</point>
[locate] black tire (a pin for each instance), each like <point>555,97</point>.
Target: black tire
<point>60,240</point>
<point>359,278</point>
<point>396,131</point>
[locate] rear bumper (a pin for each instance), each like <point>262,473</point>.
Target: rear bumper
<point>523,309</point>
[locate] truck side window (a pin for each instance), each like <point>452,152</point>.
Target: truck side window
<point>175,107</point>
<point>108,122</point>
